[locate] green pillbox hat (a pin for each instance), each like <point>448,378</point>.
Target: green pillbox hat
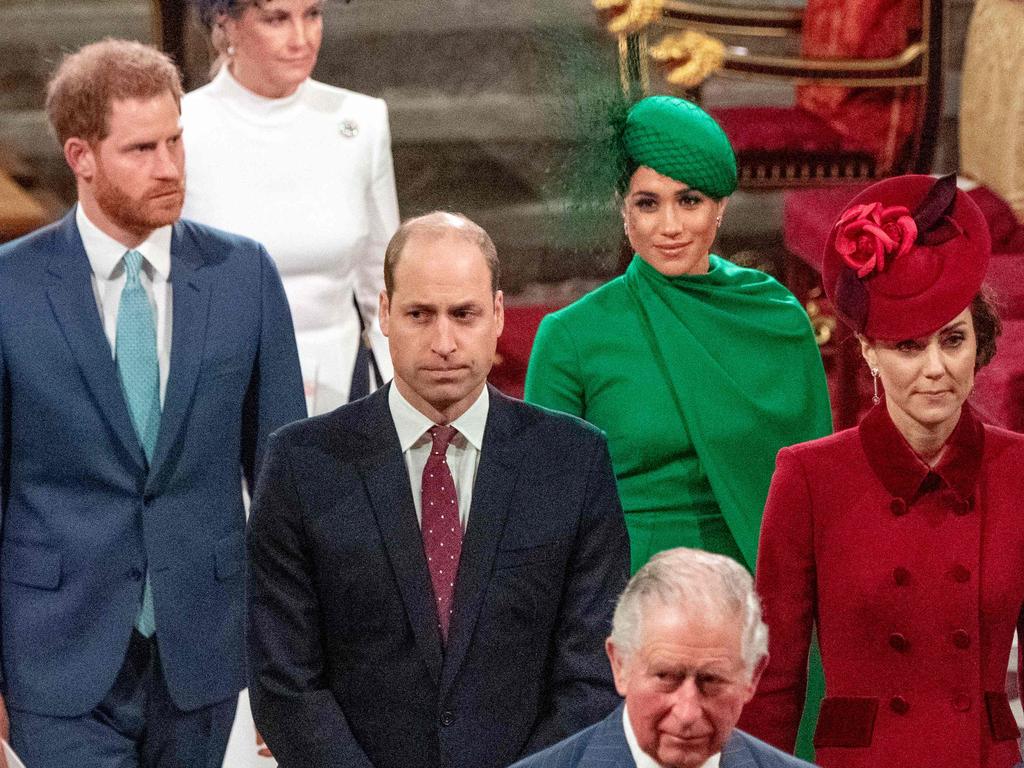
<point>680,140</point>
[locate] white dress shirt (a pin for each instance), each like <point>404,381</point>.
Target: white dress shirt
<point>106,261</point>
<point>463,452</point>
<point>642,759</point>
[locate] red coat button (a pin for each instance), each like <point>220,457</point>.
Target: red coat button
<point>901,576</point>
<point>961,507</point>
<point>899,642</point>
<point>899,705</point>
<point>898,506</point>
<point>961,639</point>
<point>962,702</point>
<point>960,574</point>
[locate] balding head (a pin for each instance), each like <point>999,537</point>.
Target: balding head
<point>437,225</point>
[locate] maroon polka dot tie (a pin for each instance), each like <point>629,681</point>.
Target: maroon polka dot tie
<point>442,532</point>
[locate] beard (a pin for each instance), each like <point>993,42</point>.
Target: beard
<point>141,212</point>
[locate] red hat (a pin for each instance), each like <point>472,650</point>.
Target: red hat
<point>906,257</point>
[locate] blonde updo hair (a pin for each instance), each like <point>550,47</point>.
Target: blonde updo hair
<point>210,12</point>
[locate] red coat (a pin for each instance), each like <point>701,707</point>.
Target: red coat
<point>915,579</point>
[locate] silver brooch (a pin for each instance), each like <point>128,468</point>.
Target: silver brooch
<point>349,129</point>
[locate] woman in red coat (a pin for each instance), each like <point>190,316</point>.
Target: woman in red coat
<point>901,540</point>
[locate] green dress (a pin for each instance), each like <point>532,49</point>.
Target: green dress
<point>698,381</point>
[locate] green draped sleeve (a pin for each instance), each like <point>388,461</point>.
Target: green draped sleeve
<point>727,356</point>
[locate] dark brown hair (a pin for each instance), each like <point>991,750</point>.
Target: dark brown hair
<point>87,82</point>
<point>987,326</point>
<point>438,224</point>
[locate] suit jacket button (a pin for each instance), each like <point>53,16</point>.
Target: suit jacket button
<point>899,705</point>
<point>962,702</point>
<point>901,576</point>
<point>960,574</point>
<point>961,639</point>
<point>898,506</point>
<point>447,718</point>
<point>899,642</point>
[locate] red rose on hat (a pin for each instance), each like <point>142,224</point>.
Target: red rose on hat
<point>869,235</point>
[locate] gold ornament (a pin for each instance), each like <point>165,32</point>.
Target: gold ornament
<point>625,17</point>
<point>690,57</point>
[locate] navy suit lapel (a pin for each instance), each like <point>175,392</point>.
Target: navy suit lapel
<point>189,317</point>
<point>608,747</point>
<point>387,483</point>
<point>496,477</point>
<point>74,304</point>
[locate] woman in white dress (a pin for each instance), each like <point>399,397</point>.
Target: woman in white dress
<point>303,167</point>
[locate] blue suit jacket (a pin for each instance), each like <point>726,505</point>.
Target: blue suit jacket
<point>83,516</point>
<point>604,746</point>
<point>346,666</point>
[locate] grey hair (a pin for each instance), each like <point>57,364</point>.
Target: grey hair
<point>699,583</point>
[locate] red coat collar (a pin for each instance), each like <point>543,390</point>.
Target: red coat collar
<point>903,473</point>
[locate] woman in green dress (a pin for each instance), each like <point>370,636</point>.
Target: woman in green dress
<point>698,370</point>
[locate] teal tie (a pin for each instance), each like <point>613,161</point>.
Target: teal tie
<point>135,353</point>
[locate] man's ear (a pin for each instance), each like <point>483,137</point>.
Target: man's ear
<point>755,677</point>
<point>499,311</point>
<point>619,664</point>
<point>384,312</point>
<point>80,158</point>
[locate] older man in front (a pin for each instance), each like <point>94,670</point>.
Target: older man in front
<point>687,648</point>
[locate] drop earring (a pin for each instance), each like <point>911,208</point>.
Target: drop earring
<point>231,51</point>
<point>875,398</point>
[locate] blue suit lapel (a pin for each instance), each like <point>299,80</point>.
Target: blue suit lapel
<point>74,304</point>
<point>190,315</point>
<point>496,477</point>
<point>387,483</point>
<point>736,753</point>
<point>608,747</point>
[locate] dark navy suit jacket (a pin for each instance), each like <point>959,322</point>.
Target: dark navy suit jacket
<point>604,745</point>
<point>83,516</point>
<point>346,666</point>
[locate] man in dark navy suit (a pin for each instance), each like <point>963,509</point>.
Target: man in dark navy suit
<point>687,649</point>
<point>144,361</point>
<point>433,568</point>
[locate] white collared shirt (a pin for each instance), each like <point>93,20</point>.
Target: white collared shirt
<point>463,455</point>
<point>642,759</point>
<point>106,261</point>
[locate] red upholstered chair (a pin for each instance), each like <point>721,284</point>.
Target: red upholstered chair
<point>999,390</point>
<point>867,76</point>
<point>510,360</point>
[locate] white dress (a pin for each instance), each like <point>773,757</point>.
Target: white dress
<point>310,176</point>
